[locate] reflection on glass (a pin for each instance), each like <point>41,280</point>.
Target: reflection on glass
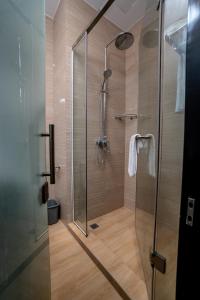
<point>172,139</point>
<point>148,115</point>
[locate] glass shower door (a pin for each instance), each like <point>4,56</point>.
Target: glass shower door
<point>80,134</point>
<point>24,255</point>
<point>174,37</point>
<point>148,121</point>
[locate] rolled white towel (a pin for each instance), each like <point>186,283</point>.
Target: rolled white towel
<point>134,147</point>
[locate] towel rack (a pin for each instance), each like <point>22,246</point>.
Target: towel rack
<point>143,137</point>
<point>125,116</point>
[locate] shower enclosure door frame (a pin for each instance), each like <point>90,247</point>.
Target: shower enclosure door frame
<point>84,37</point>
<point>84,34</point>
<point>158,6</point>
<point>165,155</point>
<point>149,217</point>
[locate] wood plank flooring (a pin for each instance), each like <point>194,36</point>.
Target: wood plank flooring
<point>73,274</point>
<point>114,245</point>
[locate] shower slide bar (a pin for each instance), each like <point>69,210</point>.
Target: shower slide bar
<point>125,116</point>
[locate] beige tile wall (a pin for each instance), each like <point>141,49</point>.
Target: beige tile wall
<point>171,160</point>
<point>105,185</point>
<point>70,20</point>
<point>131,106</point>
<point>147,123</point>
<point>105,182</point>
<point>49,89</point>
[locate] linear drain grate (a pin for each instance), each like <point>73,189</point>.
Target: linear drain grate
<point>94,226</point>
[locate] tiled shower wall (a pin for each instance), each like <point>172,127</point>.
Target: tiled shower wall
<point>105,181</point>
<point>70,20</point>
<point>105,184</point>
<point>131,106</point>
<point>49,107</point>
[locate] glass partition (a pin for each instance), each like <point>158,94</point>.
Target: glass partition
<point>148,121</point>
<point>174,38</point>
<point>80,134</point>
<point>161,117</point>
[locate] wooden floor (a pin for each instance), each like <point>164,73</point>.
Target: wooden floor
<point>114,244</point>
<point>73,274</point>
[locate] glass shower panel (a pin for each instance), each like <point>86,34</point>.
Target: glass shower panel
<point>148,117</point>
<point>80,134</point>
<point>172,141</point>
<point>24,255</point>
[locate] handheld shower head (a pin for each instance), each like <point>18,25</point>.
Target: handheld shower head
<point>107,73</point>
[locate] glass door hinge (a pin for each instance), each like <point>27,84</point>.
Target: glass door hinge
<point>158,262</point>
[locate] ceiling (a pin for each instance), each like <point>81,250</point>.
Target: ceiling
<point>123,13</point>
<point>51,7</point>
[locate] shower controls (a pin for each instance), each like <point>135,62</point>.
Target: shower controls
<point>103,148</point>
<point>190,211</point>
<point>102,143</point>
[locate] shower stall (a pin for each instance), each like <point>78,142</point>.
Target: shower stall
<point>128,82</point>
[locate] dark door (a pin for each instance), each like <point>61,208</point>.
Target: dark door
<point>189,245</point>
<point>24,255</point>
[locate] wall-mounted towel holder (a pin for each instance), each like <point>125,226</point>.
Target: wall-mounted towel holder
<point>122,117</point>
<point>143,137</point>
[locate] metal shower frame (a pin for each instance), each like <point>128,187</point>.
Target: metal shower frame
<point>83,35</point>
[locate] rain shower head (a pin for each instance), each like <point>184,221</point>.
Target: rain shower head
<point>124,40</point>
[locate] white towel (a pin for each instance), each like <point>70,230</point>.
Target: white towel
<point>134,147</point>
<point>176,36</point>
<point>151,155</point>
<point>180,93</point>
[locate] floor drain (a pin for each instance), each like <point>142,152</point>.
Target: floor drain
<point>94,226</point>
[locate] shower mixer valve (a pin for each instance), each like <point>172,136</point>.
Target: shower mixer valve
<point>102,143</point>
